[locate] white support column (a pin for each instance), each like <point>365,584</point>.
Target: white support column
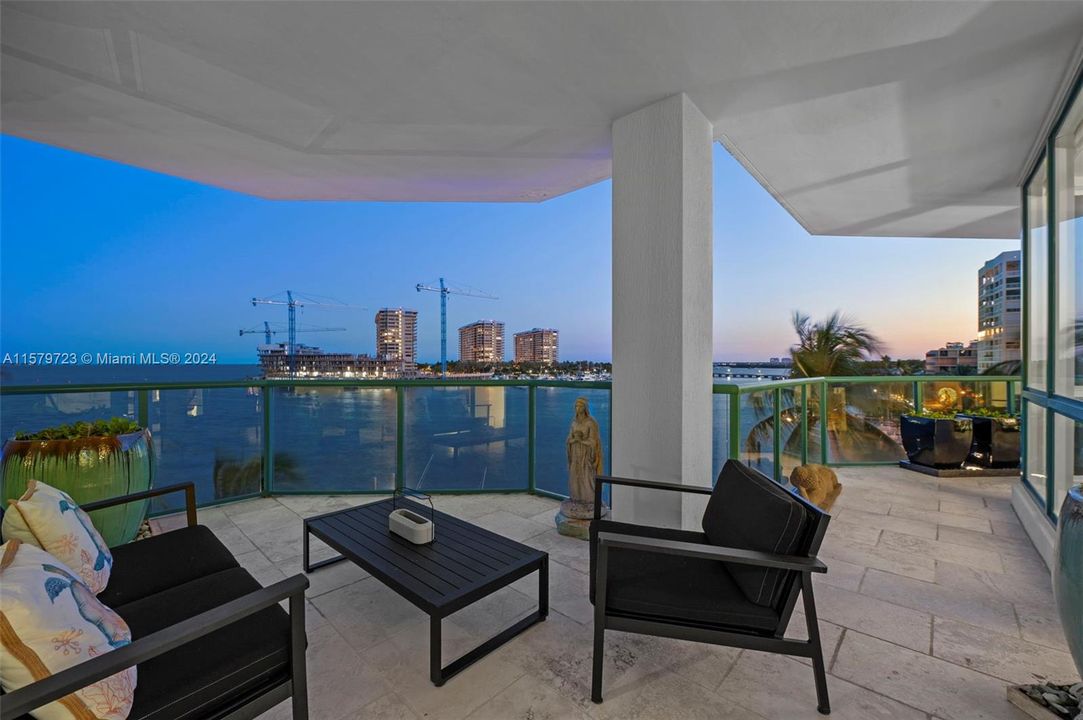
<point>662,308</point>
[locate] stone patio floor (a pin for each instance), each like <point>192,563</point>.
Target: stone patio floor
<point>934,602</point>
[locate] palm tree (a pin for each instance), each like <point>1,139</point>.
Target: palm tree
<point>833,346</point>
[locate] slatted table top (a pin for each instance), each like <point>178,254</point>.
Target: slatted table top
<point>463,564</point>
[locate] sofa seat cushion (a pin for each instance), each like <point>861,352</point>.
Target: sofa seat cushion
<point>161,562</point>
<point>749,511</point>
<point>209,673</point>
<point>674,588</point>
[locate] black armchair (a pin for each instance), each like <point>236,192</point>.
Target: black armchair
<point>209,641</point>
<point>736,583</point>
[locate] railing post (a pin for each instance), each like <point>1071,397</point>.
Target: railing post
<point>143,408</point>
<point>400,438</point>
<point>776,443</point>
<point>267,486</point>
<point>919,403</point>
<point>735,425</point>
<point>1009,389</point>
<point>531,427</point>
<point>804,424</point>
<point>824,400</point>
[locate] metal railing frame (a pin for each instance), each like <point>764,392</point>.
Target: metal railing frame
<point>801,389</point>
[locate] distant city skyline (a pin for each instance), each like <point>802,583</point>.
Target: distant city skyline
<point>173,264</point>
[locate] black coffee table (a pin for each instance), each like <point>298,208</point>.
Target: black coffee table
<point>461,566</point>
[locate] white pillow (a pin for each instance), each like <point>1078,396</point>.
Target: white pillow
<point>49,519</point>
<point>50,621</point>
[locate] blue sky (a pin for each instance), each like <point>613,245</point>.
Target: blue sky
<point>101,257</point>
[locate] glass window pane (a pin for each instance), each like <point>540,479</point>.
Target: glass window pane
<point>555,408</point>
<point>720,440</point>
<point>466,438</point>
<point>1067,457</point>
<point>790,427</point>
<point>334,439</point>
<point>1068,167</point>
<point>212,436</point>
<point>758,431</point>
<point>1036,472</point>
<point>1037,269</point>
<point>863,421</point>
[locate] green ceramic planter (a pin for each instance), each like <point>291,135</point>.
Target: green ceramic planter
<point>88,469</point>
<point>1068,572</point>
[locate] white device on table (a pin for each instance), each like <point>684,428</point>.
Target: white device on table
<point>411,526</point>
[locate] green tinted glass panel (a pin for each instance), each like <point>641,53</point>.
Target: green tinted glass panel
<point>466,438</point>
<point>329,439</point>
<point>555,407</point>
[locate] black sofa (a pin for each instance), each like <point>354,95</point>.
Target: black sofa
<point>210,642</point>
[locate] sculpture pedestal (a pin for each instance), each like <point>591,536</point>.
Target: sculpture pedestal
<point>573,518</point>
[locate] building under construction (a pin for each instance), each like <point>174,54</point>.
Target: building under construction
<point>313,362</point>
<point>396,353</point>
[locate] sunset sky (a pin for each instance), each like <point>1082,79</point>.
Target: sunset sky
<point>102,257</point>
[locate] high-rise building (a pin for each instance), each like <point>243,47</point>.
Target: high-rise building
<point>948,359</point>
<point>482,341</point>
<point>396,338</point>
<point>999,310</point>
<point>540,345</point>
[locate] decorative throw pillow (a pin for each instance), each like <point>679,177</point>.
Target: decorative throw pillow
<point>49,519</point>
<point>49,621</point>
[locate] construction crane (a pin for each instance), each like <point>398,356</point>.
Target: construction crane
<point>268,332</point>
<point>444,291</point>
<point>292,304</point>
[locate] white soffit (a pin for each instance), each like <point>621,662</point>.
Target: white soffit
<point>861,118</point>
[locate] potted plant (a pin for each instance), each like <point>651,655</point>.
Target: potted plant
<point>996,438</point>
<point>88,461</point>
<point>936,439</point>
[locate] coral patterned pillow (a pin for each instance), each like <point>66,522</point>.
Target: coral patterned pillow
<point>50,519</point>
<point>49,621</point>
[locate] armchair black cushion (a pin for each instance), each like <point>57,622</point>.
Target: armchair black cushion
<point>673,587</point>
<point>735,584</point>
<point>195,679</point>
<point>747,510</point>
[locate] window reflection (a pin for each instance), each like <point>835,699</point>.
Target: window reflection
<point>1068,168</point>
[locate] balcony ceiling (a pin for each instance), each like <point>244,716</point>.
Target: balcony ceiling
<point>862,118</point>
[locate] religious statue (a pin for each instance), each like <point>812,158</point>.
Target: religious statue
<point>584,446</point>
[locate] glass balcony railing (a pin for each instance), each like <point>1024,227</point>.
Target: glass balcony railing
<point>241,439</point>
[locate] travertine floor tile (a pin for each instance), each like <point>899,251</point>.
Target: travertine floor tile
<point>892,521</point>
<point>876,606</point>
<point>882,558</point>
<point>1017,547</point>
<point>967,522</point>
<point>779,687</point>
<point>528,698</point>
<point>894,623</point>
<point>509,525</point>
<point>988,612</point>
<point>1003,656</point>
<point>922,681</point>
<point>403,661</point>
<point>943,549</point>
<point>368,612</point>
<point>327,578</point>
